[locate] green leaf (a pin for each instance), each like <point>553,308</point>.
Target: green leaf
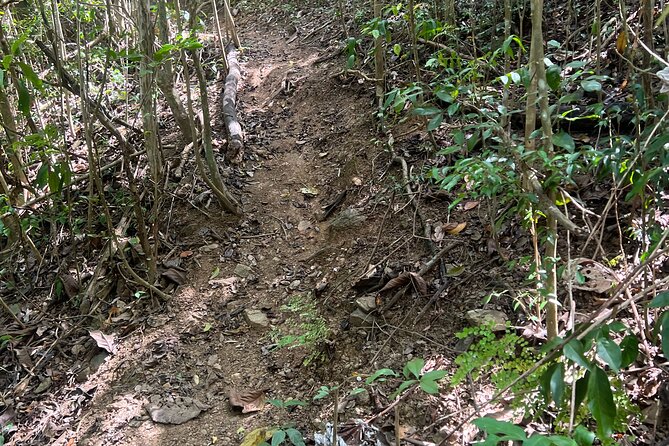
<point>434,375</point>
<point>553,77</point>
<point>397,49</point>
<point>564,140</point>
<point>661,300</point>
<point>278,437</point>
<point>453,108</point>
<point>414,367</point>
<point>405,385</point>
<point>583,436</point>
<point>24,98</point>
<point>378,374</point>
<point>435,122</point>
<point>630,350</point>
<point>557,384</point>
<point>426,111</point>
<point>42,176</point>
<point>591,85</point>
<point>581,390</point>
<point>665,334</point>
<point>32,77</point>
<point>537,440</point>
<point>492,426</point>
<point>429,386</point>
<point>574,350</point>
<point>350,62</point>
<point>444,96</point>
<point>295,437</point>
<point>601,402</point>
<point>610,352</point>
<point>559,440</point>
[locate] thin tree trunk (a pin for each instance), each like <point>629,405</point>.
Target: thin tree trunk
<point>165,79</point>
<point>379,62</point>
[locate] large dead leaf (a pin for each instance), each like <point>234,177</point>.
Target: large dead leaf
<point>250,401</point>
<point>454,228</point>
<point>104,341</point>
<point>176,414</point>
<point>257,437</point>
<point>588,275</point>
<point>176,275</point>
<point>403,279</point>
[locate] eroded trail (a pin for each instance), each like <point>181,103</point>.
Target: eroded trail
<point>304,140</point>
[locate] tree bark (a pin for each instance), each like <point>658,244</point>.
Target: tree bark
<point>235,133</point>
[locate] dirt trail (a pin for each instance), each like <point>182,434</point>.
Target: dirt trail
<point>303,136</point>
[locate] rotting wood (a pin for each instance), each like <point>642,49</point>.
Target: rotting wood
<point>235,133</point>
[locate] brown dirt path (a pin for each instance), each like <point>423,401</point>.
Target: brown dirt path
<point>302,132</point>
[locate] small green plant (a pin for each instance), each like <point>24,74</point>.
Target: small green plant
<point>281,435</point>
<point>413,372</point>
<point>308,328</point>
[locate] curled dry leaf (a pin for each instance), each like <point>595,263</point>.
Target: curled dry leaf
<point>176,275</point>
<point>250,401</point>
<point>588,275</point>
<point>454,228</point>
<point>403,279</point>
<point>104,341</point>
<point>469,205</point>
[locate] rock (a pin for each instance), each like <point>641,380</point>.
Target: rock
<point>256,318</point>
<point>243,271</point>
<point>294,284</point>
<point>487,317</point>
<point>347,219</point>
<point>366,303</point>
<point>361,319</point>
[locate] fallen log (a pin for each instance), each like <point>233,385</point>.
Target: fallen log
<point>236,136</point>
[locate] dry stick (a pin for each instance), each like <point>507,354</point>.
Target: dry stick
<point>11,313</point>
<point>220,34</point>
<point>335,417</point>
<point>397,425</point>
<point>231,24</point>
<point>589,325</point>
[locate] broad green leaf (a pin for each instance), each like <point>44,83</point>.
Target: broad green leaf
<point>42,176</point>
<point>278,437</point>
<point>434,375</point>
<point>54,181</point>
<point>405,385</point>
<point>429,386</point>
<point>537,440</point>
<point>574,350</point>
<point>32,77</point>
<point>295,437</point>
<point>661,300</point>
<point>426,111</point>
<point>665,334</point>
<point>553,77</point>
<point>630,350</point>
<point>581,389</point>
<point>557,384</point>
<point>444,96</point>
<point>601,402</point>
<point>435,122</point>
<point>564,140</point>
<point>378,374</point>
<point>397,49</point>
<point>453,108</point>
<point>414,367</point>
<point>610,353</point>
<point>24,98</point>
<point>559,440</point>
<point>591,85</point>
<point>492,427</point>
<point>583,436</point>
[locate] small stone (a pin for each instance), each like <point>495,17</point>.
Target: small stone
<point>495,318</point>
<point>363,397</point>
<point>243,271</point>
<point>256,318</point>
<point>361,319</point>
<point>294,284</point>
<point>347,219</point>
<point>366,303</point>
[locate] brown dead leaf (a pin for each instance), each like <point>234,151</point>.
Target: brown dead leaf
<point>185,254</point>
<point>104,341</point>
<point>249,401</point>
<point>454,228</point>
<point>70,285</point>
<point>176,275</point>
<point>403,279</point>
<point>469,205</point>
<point>621,42</point>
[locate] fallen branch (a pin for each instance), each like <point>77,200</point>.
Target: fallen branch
<point>236,140</point>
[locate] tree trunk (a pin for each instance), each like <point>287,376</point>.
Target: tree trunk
<point>165,79</point>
